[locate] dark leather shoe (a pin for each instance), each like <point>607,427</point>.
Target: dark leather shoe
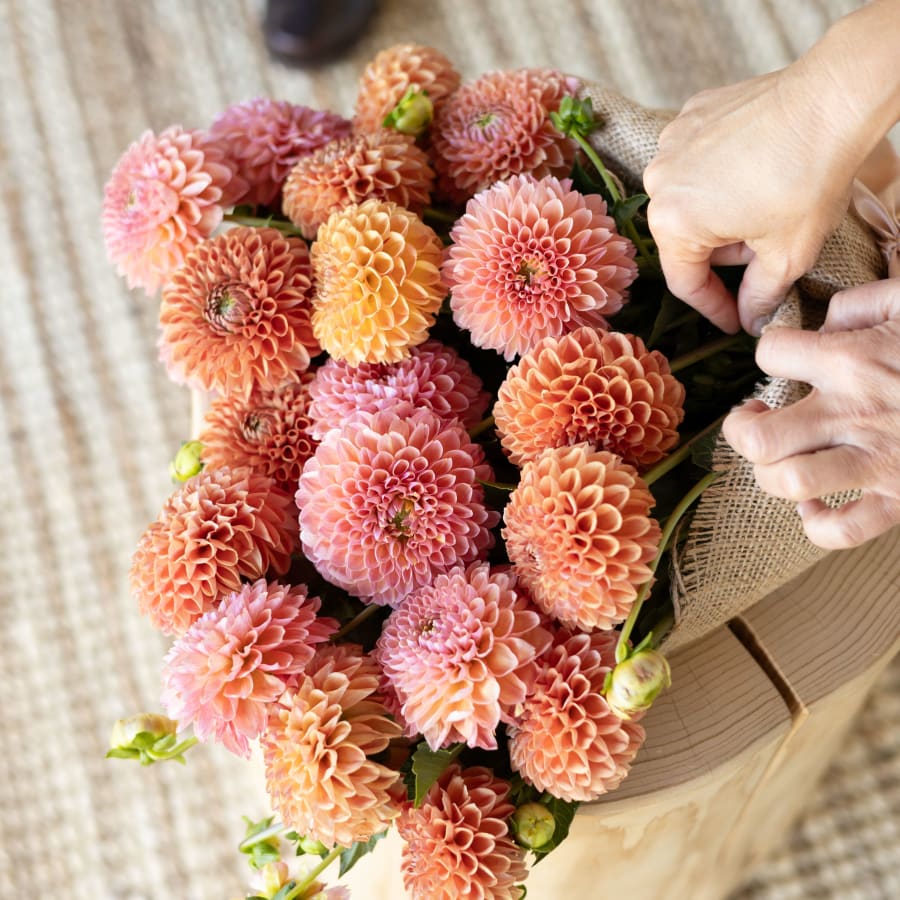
<point>305,32</point>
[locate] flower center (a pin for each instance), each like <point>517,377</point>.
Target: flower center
<point>398,525</point>
<point>485,119</point>
<point>226,307</point>
<point>529,270</point>
<point>257,423</point>
<point>150,201</point>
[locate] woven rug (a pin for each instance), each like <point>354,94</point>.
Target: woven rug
<point>90,420</point>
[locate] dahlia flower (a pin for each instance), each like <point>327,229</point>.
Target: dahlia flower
<point>533,259</point>
<point>603,388</point>
<point>234,660</point>
<point>434,377</point>
<point>376,267</point>
<point>219,527</point>
<point>382,165</point>
<point>268,432</point>
<point>265,138</point>
<point>317,746</point>
<point>389,502</point>
<point>566,740</point>
<point>460,654</point>
<point>236,316</point>
<point>579,532</point>
<point>458,843</point>
<point>499,126</point>
<point>393,72</point>
<point>165,195</point>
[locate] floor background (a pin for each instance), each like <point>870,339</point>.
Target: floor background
<point>90,422</point>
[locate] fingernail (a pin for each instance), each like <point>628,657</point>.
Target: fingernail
<point>758,325</point>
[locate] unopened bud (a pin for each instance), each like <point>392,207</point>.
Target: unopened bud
<point>125,731</point>
<point>412,115</point>
<point>148,738</point>
<point>270,879</point>
<point>635,683</point>
<point>533,825</point>
<point>187,462</point>
<point>312,847</point>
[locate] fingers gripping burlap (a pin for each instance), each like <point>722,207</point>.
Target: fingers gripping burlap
<point>742,544</point>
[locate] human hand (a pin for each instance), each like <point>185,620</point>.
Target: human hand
<point>845,433</point>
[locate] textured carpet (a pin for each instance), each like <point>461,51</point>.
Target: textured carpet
<point>90,420</point>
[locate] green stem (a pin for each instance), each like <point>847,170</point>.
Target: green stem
<point>272,831</point>
<point>481,427</point>
<point>681,453</point>
<point>357,620</point>
<point>257,222</point>
<point>668,530</point>
<point>439,215</point>
<point>301,886</point>
<point>703,351</point>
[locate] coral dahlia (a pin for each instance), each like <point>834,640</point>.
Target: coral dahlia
<point>532,259</point>
<point>165,195</point>
<point>384,165</point>
<point>579,532</point>
<point>458,843</point>
<point>219,527</point>
<point>318,745</point>
<point>389,502</point>
<point>236,316</point>
<point>234,660</point>
<point>603,388</point>
<point>377,269</point>
<point>566,740</point>
<point>265,138</point>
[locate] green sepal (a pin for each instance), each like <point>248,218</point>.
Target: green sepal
<point>122,753</point>
<point>356,851</point>
<point>284,891</point>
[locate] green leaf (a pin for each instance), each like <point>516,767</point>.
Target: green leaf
<point>356,851</point>
<point>625,210</point>
<point>563,815</point>
<point>123,753</point>
<point>428,765</point>
<point>585,183</point>
<point>671,310</point>
<point>285,891</point>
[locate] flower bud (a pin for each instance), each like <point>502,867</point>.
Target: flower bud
<point>187,462</point>
<point>270,879</point>
<point>412,115</point>
<point>533,825</point>
<point>148,738</point>
<point>635,683</point>
<point>126,730</point>
<point>312,847</point>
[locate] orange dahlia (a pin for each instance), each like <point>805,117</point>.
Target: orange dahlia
<point>221,526</point>
<point>395,71</point>
<point>318,745</point>
<point>236,316</point>
<point>269,432</point>
<point>165,195</point>
<point>499,126</point>
<point>384,165</point>
<point>579,532</point>
<point>603,388</point>
<point>566,740</point>
<point>377,273</point>
<point>458,843</point>
<point>532,259</point>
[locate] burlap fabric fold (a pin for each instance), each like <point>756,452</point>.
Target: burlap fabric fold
<point>742,544</point>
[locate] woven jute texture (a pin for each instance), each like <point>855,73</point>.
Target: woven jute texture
<point>90,421</point>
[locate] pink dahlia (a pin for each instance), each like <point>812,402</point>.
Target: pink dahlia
<point>533,259</point>
<point>434,377</point>
<point>458,843</point>
<point>566,740</point>
<point>389,502</point>
<point>265,138</point>
<point>604,388</point>
<point>236,316</point>
<point>165,195</point>
<point>318,745</point>
<point>234,660</point>
<point>219,527</point>
<point>460,654</point>
<point>499,126</point>
<point>579,532</point>
<point>269,432</point>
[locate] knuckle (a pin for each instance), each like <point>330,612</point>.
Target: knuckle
<point>798,483</point>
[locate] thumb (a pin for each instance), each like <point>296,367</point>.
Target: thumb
<point>766,281</point>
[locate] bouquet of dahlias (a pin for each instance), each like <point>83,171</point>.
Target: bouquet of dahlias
<point>415,550</point>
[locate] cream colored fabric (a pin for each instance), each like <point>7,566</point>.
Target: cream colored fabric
<point>89,420</point>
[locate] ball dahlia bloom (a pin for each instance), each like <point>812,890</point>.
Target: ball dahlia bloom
<point>221,526</point>
<point>532,259</point>
<point>604,388</point>
<point>318,745</point>
<point>460,654</point>
<point>234,660</point>
<point>377,270</point>
<point>166,194</point>
<point>384,165</point>
<point>265,138</point>
<point>579,532</point>
<point>269,432</point>
<point>390,502</point>
<point>393,72</point>
<point>499,126</point>
<point>236,316</point>
<point>435,377</point>
<point>566,740</point>
<point>458,843</point>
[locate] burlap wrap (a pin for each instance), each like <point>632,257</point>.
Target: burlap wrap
<point>742,543</point>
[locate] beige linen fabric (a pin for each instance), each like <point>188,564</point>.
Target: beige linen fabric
<point>90,421</point>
